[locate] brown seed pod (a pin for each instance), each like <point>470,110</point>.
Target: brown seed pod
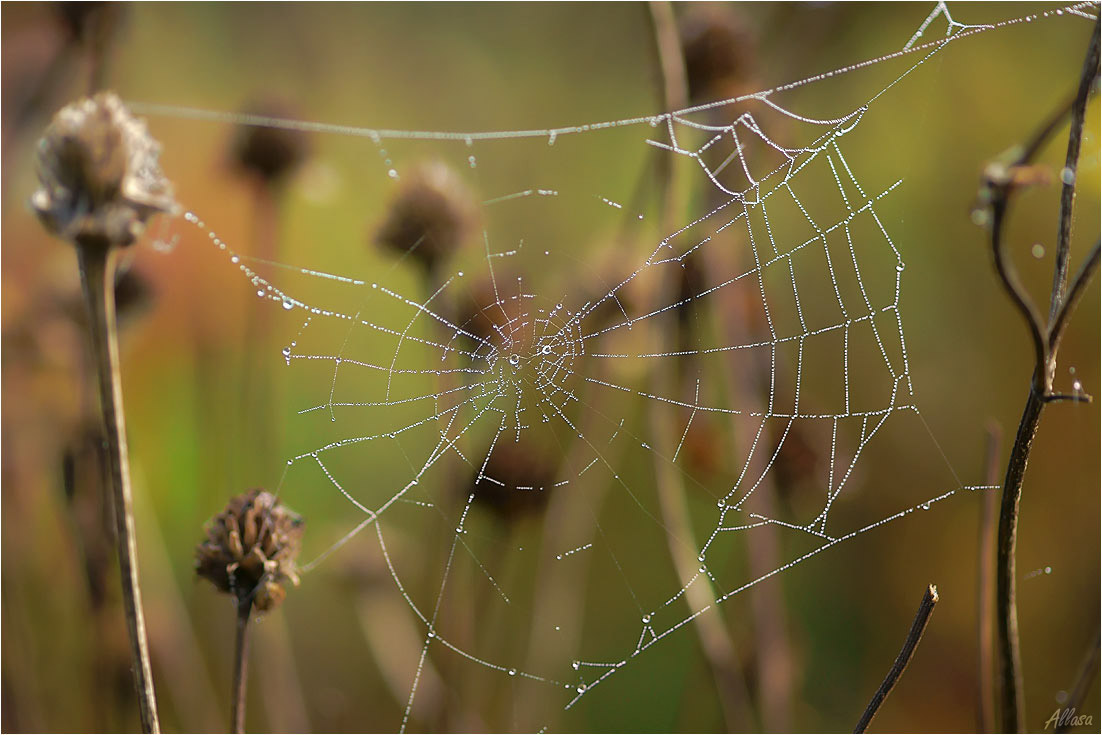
<point>269,154</point>
<point>250,549</point>
<point>430,216</point>
<point>98,172</point>
<point>719,54</point>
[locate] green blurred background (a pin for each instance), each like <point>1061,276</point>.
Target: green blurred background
<point>212,409</point>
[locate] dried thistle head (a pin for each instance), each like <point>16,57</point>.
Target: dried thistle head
<point>269,154</point>
<point>429,217</point>
<point>719,55</point>
<point>98,172</point>
<point>250,549</point>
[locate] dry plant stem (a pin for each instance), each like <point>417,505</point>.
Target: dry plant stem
<point>985,705</point>
<point>918,627</point>
<point>1046,342</point>
<point>675,94</point>
<point>97,268</point>
<point>240,664</point>
<point>1087,671</point>
<point>715,640</point>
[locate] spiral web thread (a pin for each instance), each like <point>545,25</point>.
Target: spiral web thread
<point>447,391</point>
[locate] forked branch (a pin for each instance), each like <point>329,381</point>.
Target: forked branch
<point>1002,180</point>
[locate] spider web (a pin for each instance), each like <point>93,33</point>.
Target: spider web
<point>596,412</point>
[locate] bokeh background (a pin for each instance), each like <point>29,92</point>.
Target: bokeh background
<point>212,407</point>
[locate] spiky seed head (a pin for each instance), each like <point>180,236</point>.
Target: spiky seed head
<point>99,176</point>
<point>429,217</point>
<point>250,549</point>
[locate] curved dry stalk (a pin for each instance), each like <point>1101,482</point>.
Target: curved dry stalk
<point>910,643</point>
<point>97,269</point>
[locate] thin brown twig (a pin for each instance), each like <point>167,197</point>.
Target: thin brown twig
<point>1000,186</point>
<point>240,665</point>
<point>910,643</point>
<point>1068,176</point>
<point>97,268</point>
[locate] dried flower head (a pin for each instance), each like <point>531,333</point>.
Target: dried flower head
<point>99,177</point>
<point>719,54</point>
<point>250,549</point>
<point>429,217</point>
<point>270,154</point>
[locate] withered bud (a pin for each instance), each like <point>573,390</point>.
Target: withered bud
<point>429,217</point>
<point>719,54</point>
<point>98,172</point>
<point>250,549</point>
<point>517,481</point>
<point>270,154</point>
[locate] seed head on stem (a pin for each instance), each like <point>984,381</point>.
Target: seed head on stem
<point>250,553</point>
<point>99,184</point>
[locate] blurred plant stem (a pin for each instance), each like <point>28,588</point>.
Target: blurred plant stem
<point>715,640</point>
<point>910,643</point>
<point>1088,669</point>
<point>985,704</point>
<point>257,384</point>
<point>1001,180</point>
<point>772,662</point>
<point>97,268</point>
<point>240,664</point>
